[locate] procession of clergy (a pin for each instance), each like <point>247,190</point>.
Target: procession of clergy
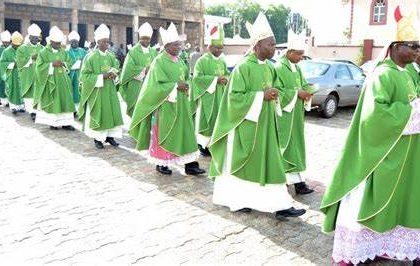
<point>250,121</point>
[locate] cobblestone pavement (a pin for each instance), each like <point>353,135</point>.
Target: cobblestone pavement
<point>64,202</point>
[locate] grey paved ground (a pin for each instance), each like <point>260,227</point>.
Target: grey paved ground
<point>64,202</point>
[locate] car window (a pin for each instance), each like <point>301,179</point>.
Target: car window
<point>312,69</point>
<point>356,73</point>
<point>342,72</point>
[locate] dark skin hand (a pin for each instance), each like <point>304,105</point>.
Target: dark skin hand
<point>304,95</point>
<point>271,94</point>
<point>182,86</point>
<point>222,80</point>
<point>109,76</point>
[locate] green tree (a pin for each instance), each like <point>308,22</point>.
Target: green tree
<point>247,10</point>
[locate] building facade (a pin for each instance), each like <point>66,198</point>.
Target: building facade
<point>374,19</point>
<point>369,25</point>
<point>122,16</point>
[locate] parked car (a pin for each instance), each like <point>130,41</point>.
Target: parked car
<point>338,84</point>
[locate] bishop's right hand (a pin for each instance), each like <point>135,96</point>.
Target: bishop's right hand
<point>271,94</point>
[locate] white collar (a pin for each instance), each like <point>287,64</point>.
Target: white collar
<point>261,62</point>
<point>145,49</point>
<point>292,66</point>
<point>416,67</point>
<point>54,50</point>
<point>101,53</point>
<point>400,68</point>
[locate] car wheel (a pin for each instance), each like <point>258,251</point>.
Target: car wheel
<point>330,106</point>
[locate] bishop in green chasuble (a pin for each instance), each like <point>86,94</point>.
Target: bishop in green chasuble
<point>162,123</point>
<point>372,200</point>
<point>99,107</point>
<point>247,163</point>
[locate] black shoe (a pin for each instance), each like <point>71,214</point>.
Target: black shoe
<point>53,128</point>
<point>112,141</point>
<point>163,170</point>
<point>7,105</point>
<point>71,128</point>
<point>193,168</point>
<point>292,212</point>
<point>21,111</point>
<point>204,152</point>
<point>14,111</point>
<point>98,144</point>
<point>245,210</point>
<point>75,115</point>
<point>302,189</point>
<point>33,116</point>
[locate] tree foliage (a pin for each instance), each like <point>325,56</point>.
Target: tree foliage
<point>247,10</point>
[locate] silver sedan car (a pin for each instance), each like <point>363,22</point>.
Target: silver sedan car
<point>338,84</point>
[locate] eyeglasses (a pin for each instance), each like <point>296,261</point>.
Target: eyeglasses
<point>413,46</point>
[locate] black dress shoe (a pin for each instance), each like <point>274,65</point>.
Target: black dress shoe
<point>163,170</point>
<point>7,105</point>
<point>68,128</point>
<point>193,168</point>
<point>302,189</point>
<point>53,128</point>
<point>204,152</point>
<point>245,210</point>
<point>292,212</point>
<point>14,111</point>
<point>33,116</point>
<point>75,114</point>
<point>98,144</point>
<point>22,111</point>
<point>112,141</point>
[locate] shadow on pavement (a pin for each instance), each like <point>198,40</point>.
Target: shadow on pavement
<point>302,236</point>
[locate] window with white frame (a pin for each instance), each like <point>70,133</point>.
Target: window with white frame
<point>379,11</point>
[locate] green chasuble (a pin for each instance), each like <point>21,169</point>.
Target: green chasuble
<point>76,56</point>
<point>256,154</point>
<point>292,122</point>
<point>2,86</point>
<point>176,128</point>
<point>10,76</point>
<point>135,62</point>
<point>206,70</point>
<point>53,91</point>
<point>27,67</point>
<point>415,74</point>
<point>105,111</point>
<point>377,153</point>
